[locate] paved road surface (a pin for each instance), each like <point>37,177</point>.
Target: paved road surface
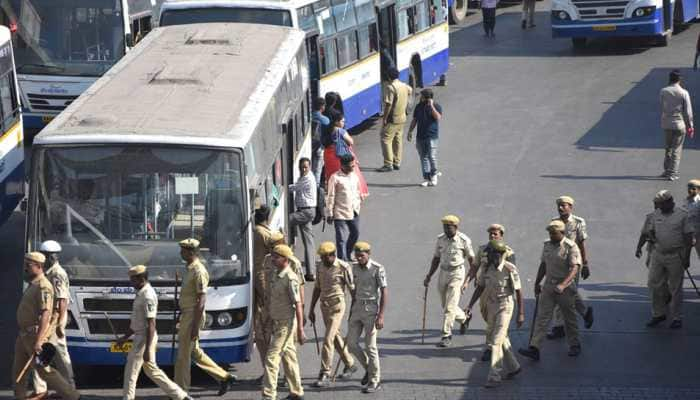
<point>526,120</point>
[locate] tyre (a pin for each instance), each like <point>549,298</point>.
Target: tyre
<point>579,43</point>
<point>458,11</point>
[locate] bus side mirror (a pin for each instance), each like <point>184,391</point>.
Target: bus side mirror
<point>23,205</point>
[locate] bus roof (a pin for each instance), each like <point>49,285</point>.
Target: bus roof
<point>205,84</point>
<point>275,4</point>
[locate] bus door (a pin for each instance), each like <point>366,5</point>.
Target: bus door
<point>387,41</point>
<point>314,64</point>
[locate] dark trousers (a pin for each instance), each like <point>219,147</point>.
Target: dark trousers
<point>489,15</point>
<point>347,231</point>
<point>302,219</point>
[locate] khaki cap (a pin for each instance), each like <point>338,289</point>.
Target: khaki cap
<point>190,243</point>
<point>496,227</point>
<point>363,247</point>
<point>137,270</point>
<point>694,183</point>
<point>565,199</point>
<point>450,220</point>
<point>276,237</point>
<point>556,225</point>
<point>283,250</point>
<point>36,257</point>
<point>662,195</point>
<point>326,248</point>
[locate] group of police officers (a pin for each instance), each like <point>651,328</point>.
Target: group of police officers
<point>668,232</point>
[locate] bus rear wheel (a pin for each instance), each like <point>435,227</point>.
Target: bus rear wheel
<point>458,11</point>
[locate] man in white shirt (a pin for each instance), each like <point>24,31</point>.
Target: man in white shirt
<point>305,200</point>
<point>676,121</point>
<point>343,203</point>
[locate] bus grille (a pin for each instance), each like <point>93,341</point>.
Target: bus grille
<point>125,305</point>
<point>49,102</point>
<point>100,326</point>
<point>600,9</point>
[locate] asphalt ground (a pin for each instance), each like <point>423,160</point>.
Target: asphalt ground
<point>526,119</point>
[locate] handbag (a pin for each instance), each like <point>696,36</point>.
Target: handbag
<point>341,148</point>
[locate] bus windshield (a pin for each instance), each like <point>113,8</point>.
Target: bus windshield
<point>112,207</point>
<point>226,14</point>
<point>65,37</point>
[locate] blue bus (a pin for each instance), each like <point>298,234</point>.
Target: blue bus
<point>584,19</point>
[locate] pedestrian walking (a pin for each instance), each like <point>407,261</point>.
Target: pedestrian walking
<point>499,284</point>
<point>369,300</point>
<point>528,17</point>
<point>334,278</point>
<point>287,316</point>
<point>576,231</point>
<point>193,297</point>
<point>488,13</point>
<point>305,192</point>
<point>452,250</point>
<point>61,287</point>
<point>319,124</point>
<point>676,121</point>
<point>142,328</point>
<point>343,202</point>
<point>34,323</point>
<point>488,257</point>
<point>673,240</point>
<point>561,260</point>
<point>692,206</point>
<point>393,121</point>
<point>426,116</point>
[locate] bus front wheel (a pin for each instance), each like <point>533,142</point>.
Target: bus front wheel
<point>579,43</point>
<point>458,11</point>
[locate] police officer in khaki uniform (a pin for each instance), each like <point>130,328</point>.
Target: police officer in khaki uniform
<point>575,231</point>
<point>193,297</point>
<point>498,283</point>
<point>34,321</point>
<point>59,279</point>
<point>496,232</point>
<point>673,240</point>
<point>395,103</point>
<point>143,328</point>
<point>561,260</point>
<point>645,237</point>
<point>333,276</point>
<point>452,249</point>
<point>287,316</point>
<point>367,313</point>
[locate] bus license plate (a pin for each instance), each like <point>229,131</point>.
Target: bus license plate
<point>47,119</point>
<point>114,347</point>
<point>604,28</point>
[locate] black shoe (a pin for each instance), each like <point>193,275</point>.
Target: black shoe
<point>512,374</point>
<point>557,332</point>
<point>574,351</point>
<point>322,382</point>
<point>446,341</point>
<point>309,277</point>
<point>655,321</point>
<point>588,318</point>
<point>365,379</point>
<point>347,372</point>
<point>523,24</point>
<point>487,355</point>
<point>226,384</point>
<point>531,352</point>
<point>397,167</point>
<point>385,168</point>
<point>372,387</point>
<point>676,324</point>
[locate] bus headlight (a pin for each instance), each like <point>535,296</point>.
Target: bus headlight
<point>208,321</point>
<point>224,319</point>
<point>560,15</point>
<point>643,12</point>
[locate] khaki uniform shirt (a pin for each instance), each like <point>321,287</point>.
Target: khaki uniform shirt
<point>693,207</point>
<point>558,259</point>
<point>332,281</point>
<point>283,294</point>
<point>669,230</point>
<point>61,285</point>
<point>270,270</point>
<point>369,280</point>
<point>453,251</point>
<point>397,94</point>
<point>574,228</point>
<point>261,247</point>
<point>500,281</point>
<point>194,283</point>
<point>145,306</point>
<point>37,298</point>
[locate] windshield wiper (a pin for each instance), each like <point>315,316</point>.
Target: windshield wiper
<point>56,67</point>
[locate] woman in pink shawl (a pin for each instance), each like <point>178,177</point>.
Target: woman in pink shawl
<point>331,160</point>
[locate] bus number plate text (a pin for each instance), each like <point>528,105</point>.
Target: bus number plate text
<point>114,347</point>
<point>605,28</point>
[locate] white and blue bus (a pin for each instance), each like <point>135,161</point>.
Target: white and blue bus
<point>581,20</point>
<point>11,132</point>
<point>62,47</point>
<point>184,137</point>
<point>344,40</point>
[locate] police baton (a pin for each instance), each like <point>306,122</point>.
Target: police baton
<point>534,318</point>
<point>172,342</point>
<point>109,321</point>
<point>425,307</point>
<point>318,347</point>
<point>693,282</point>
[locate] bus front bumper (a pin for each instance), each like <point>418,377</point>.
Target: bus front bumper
<point>650,26</point>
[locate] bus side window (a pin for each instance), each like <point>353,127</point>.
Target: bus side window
<point>328,56</point>
<point>367,40</point>
<point>347,48</point>
<point>422,16</point>
<point>9,103</point>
